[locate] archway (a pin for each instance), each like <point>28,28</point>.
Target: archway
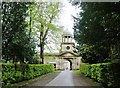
<point>68,64</point>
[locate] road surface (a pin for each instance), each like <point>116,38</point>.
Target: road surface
<point>65,78</point>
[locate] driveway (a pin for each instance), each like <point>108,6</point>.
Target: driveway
<point>65,78</point>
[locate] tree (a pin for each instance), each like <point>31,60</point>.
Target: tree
<point>16,43</point>
<point>44,15</point>
<point>98,26</point>
<point>93,54</point>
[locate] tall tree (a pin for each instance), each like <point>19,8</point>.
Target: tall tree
<point>44,15</point>
<point>16,44</point>
<point>98,25</point>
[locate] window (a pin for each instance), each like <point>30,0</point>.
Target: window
<point>68,36</point>
<point>65,36</point>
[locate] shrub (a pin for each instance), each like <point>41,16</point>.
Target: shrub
<point>12,74</point>
<point>108,74</point>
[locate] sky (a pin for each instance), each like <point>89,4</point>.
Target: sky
<point>65,20</point>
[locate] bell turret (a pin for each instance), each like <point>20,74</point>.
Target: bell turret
<point>67,44</point>
<point>67,37</point>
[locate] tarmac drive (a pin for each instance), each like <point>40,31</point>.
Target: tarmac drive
<point>65,78</point>
<point>69,78</point>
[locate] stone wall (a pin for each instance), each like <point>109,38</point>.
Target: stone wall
<point>60,62</point>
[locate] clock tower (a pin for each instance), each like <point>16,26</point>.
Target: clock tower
<point>68,57</point>
<point>67,44</point>
<point>68,51</point>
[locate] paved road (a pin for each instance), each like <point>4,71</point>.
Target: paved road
<point>69,78</point>
<point>43,81</point>
<point>65,78</point>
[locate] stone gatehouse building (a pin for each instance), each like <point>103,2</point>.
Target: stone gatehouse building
<point>67,58</point>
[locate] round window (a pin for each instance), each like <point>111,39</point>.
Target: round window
<point>67,47</point>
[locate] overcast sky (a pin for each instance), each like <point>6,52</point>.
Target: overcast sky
<point>66,19</point>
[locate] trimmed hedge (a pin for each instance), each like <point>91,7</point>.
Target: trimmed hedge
<point>12,73</point>
<point>108,74</point>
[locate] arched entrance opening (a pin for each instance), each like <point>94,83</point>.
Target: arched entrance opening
<point>68,64</point>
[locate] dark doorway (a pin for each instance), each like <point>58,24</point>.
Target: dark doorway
<point>70,63</point>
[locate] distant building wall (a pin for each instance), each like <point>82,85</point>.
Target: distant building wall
<point>60,62</point>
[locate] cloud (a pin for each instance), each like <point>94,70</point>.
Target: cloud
<point>66,19</point>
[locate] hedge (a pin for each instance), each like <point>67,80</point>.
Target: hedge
<point>12,73</point>
<point>108,74</point>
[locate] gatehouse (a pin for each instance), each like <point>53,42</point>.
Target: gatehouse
<point>68,57</point>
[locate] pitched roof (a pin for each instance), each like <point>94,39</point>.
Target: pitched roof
<point>68,52</point>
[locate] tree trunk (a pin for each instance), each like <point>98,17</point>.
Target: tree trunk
<point>41,53</point>
<point>30,23</point>
<point>41,46</point>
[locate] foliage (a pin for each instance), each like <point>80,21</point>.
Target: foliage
<point>105,73</point>
<point>23,72</point>
<point>24,24</point>
<point>43,18</point>
<point>98,26</point>
<point>16,43</point>
<point>93,54</point>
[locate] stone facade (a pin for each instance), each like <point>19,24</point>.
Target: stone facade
<point>67,53</point>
